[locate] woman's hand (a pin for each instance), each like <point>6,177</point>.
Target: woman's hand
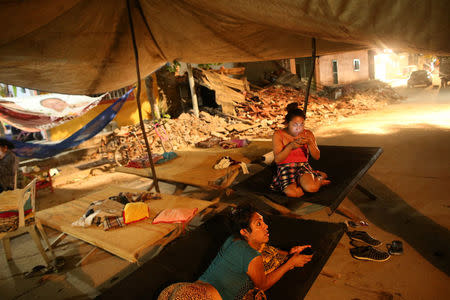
<point>306,138</point>
<point>299,260</point>
<point>295,144</point>
<point>301,141</point>
<point>298,249</point>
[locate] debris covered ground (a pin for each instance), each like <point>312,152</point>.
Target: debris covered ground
<point>262,113</point>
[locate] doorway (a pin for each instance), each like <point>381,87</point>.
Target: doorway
<point>335,72</point>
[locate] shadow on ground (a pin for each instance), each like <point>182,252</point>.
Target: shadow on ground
<point>415,164</point>
<point>392,214</point>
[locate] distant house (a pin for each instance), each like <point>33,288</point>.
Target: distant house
<point>333,69</point>
<point>344,68</point>
<point>336,69</point>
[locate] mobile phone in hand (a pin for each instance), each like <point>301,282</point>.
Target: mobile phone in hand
<point>307,251</point>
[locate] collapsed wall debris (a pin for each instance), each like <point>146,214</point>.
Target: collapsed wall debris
<point>259,115</point>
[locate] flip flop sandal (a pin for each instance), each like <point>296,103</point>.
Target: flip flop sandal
<point>350,224</point>
<point>59,263</point>
<point>395,248</point>
<point>355,224</point>
<point>39,270</point>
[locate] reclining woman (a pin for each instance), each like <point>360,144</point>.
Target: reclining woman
<point>245,265</point>
<point>292,147</point>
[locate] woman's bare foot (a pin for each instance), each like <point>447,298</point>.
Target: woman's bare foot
<point>323,174</point>
<point>293,191</point>
<point>325,182</point>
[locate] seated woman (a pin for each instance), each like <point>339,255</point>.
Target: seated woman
<point>8,166</point>
<point>292,147</point>
<point>241,269</point>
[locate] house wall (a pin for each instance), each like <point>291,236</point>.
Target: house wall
<point>346,74</point>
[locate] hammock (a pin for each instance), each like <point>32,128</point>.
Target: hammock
<point>35,150</point>
<point>36,113</point>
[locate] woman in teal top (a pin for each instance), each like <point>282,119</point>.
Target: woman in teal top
<point>238,267</point>
<point>228,271</point>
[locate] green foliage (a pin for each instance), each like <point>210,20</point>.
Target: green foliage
<point>3,90</point>
<point>208,66</point>
<point>172,67</point>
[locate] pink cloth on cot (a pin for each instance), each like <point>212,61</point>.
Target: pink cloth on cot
<point>175,215</point>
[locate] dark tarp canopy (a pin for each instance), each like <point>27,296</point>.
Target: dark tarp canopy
<point>85,47</point>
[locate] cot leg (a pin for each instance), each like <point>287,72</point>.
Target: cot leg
<point>348,213</point>
<point>44,236</point>
<point>37,241</point>
<point>58,239</point>
<point>86,256</point>
<point>179,188</point>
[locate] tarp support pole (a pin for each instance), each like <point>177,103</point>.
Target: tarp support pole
<point>192,87</point>
<point>138,100</point>
<point>308,87</point>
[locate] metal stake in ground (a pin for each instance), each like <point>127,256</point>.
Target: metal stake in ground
<point>310,75</point>
<point>138,100</point>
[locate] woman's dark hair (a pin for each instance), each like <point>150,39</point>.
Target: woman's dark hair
<point>240,219</point>
<point>293,111</point>
<point>5,142</point>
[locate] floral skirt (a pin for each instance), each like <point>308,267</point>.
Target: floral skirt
<point>184,290</point>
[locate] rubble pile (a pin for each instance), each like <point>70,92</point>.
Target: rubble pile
<point>183,132</point>
<point>261,113</point>
<point>187,130</point>
<point>268,106</point>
